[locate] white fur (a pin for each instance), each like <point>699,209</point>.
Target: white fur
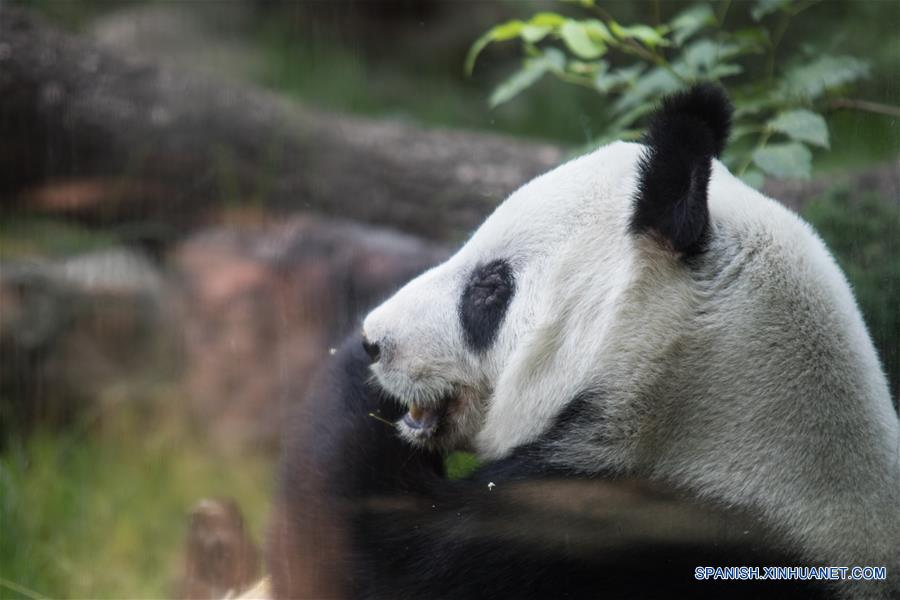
<point>753,382</point>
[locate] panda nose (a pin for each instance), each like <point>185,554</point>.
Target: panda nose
<point>371,349</point>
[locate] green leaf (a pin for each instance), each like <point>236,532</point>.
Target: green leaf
<point>522,79</point>
<point>809,81</point>
<point>725,70</point>
<point>802,125</point>
<point>532,70</point>
<point>711,52</point>
<point>598,31</point>
<point>506,31</point>
<point>739,131</point>
<point>646,35</point>
<point>607,81</point>
<point>555,58</point>
<point>763,8</point>
<point>547,19</point>
<point>761,101</point>
<point>587,68</point>
<point>460,464</point>
<point>534,33</point>
<point>576,37</point>
<point>791,160</point>
<point>753,178</point>
<point>647,89</point>
<point>690,21</point>
<point>499,33</point>
<point>623,122</point>
<point>702,57</point>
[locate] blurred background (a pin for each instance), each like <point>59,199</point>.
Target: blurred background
<point>198,199</point>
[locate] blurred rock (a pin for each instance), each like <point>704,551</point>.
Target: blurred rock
<point>72,329</point>
<point>203,36</point>
<point>234,325</point>
<point>263,306</point>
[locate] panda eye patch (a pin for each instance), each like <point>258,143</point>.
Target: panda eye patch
<point>484,301</point>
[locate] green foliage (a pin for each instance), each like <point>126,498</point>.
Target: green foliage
<point>778,100</point>
<point>801,125</point>
<point>810,80</point>
<point>763,8</point>
<point>532,70</point>
<point>863,232</point>
<point>35,236</point>
<point>327,69</point>
<point>784,159</point>
<point>103,514</point>
<point>460,464</point>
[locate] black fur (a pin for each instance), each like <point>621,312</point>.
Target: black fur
<point>404,531</point>
<point>686,133</point>
<point>484,301</point>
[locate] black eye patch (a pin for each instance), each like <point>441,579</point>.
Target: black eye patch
<point>484,302</point>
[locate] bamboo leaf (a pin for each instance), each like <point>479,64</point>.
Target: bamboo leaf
<point>499,33</point>
<point>791,160</point>
<point>532,70</point>
<point>643,33</point>
<point>802,125</point>
<point>753,178</point>
<point>690,21</point>
<point>576,37</point>
<point>763,8</point>
<point>809,81</point>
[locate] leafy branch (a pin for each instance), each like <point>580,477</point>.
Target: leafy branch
<point>779,101</point>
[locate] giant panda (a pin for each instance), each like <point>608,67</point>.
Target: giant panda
<point>660,368</point>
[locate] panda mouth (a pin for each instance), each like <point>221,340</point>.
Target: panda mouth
<point>422,418</point>
<point>424,422</point>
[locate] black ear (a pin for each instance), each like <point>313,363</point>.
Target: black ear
<point>686,133</point>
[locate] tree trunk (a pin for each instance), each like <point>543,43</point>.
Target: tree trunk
<point>123,139</point>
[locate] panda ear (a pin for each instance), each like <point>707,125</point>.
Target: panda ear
<point>686,133</point>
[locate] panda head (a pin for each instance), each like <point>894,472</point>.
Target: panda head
<point>544,301</point>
